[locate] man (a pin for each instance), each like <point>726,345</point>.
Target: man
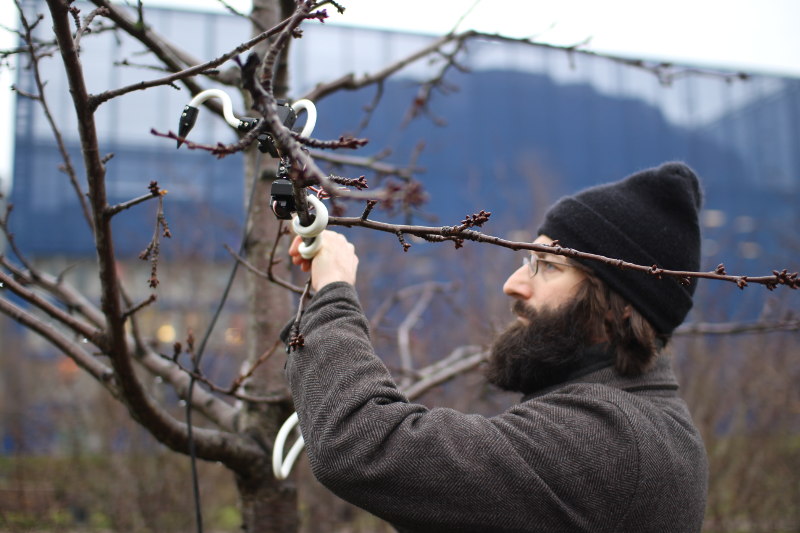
<point>600,442</point>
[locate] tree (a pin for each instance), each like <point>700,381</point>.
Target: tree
<point>240,436</point>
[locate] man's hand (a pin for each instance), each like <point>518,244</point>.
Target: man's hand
<point>335,261</point>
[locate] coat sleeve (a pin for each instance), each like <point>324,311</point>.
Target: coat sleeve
<point>438,469</point>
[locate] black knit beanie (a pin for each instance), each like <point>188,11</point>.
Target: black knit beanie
<point>648,218</point>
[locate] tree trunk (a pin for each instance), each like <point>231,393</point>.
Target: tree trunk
<point>268,505</point>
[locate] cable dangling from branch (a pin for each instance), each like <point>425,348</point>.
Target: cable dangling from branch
<point>281,467</point>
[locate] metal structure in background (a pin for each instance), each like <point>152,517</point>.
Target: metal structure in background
<point>585,120</point>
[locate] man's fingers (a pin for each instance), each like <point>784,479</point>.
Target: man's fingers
<point>294,253</point>
<point>294,248</point>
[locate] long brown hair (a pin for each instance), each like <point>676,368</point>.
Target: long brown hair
<point>615,321</point>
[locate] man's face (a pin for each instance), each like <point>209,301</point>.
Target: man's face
<point>547,341</point>
<point>554,284</point>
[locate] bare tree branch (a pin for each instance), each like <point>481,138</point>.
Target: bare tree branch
<point>68,168</point>
<point>369,162</point>
<point>65,293</point>
<point>237,452</point>
<point>155,43</point>
<point>182,75</point>
<point>736,328</point>
<point>266,275</point>
<point>93,335</point>
<point>665,72</point>
<point>256,23</point>
<point>84,28</point>
<point>87,362</point>
<point>114,209</point>
<point>232,390</point>
<point>459,362</point>
<point>404,335</point>
<point>458,234</point>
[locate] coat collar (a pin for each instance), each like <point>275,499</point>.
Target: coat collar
<point>601,371</point>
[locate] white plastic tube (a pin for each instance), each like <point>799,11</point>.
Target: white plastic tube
<point>227,104</point>
<point>311,120</point>
<point>230,118</point>
<point>307,251</point>
<point>281,466</point>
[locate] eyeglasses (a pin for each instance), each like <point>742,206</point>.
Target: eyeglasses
<point>533,263</point>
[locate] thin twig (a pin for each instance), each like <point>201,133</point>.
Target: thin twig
<point>789,279</point>
<point>198,376</point>
<point>12,242</point>
<point>234,11</point>
<point>68,167</point>
<point>296,340</point>
<point>237,383</point>
<point>184,74</point>
<point>114,209</point>
<point>265,275</point>
<point>65,293</point>
<point>87,362</point>
<point>84,28</point>
<point>94,335</point>
<point>665,72</point>
<point>737,328</point>
<point>455,368</point>
<point>133,310</point>
<point>404,335</point>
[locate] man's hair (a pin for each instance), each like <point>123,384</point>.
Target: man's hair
<point>648,218</point>
<point>633,339</point>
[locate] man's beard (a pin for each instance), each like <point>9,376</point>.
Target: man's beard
<point>528,357</point>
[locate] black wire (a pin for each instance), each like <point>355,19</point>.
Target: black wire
<point>201,350</point>
<point>198,515</point>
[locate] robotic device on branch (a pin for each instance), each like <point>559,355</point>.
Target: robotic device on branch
<point>283,206</point>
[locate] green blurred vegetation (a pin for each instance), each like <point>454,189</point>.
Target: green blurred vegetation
<point>145,492</point>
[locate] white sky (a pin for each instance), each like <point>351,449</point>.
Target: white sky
<point>758,36</point>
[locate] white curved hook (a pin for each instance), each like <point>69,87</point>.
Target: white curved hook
<point>281,466</point>
<point>311,120</point>
<point>320,221</point>
<point>307,251</point>
<point>227,104</point>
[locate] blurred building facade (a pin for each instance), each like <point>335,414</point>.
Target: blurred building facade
<point>519,127</point>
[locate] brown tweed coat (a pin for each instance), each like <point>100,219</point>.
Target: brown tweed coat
<point>598,454</point>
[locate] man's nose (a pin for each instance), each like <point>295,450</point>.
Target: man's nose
<point>518,284</point>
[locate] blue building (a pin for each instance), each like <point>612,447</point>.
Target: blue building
<point>523,126</point>
<point>517,128</point>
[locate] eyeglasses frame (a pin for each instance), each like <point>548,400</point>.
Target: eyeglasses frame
<point>532,261</point>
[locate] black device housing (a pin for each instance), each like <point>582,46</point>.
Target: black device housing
<point>282,198</point>
<point>186,123</point>
<point>287,116</point>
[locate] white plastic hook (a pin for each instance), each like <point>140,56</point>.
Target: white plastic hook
<point>281,466</point>
<point>227,104</point>
<point>307,251</point>
<point>311,120</point>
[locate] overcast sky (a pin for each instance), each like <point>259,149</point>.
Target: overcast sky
<point>755,35</point>
<point>758,36</point>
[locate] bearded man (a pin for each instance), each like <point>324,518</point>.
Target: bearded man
<point>600,441</point>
